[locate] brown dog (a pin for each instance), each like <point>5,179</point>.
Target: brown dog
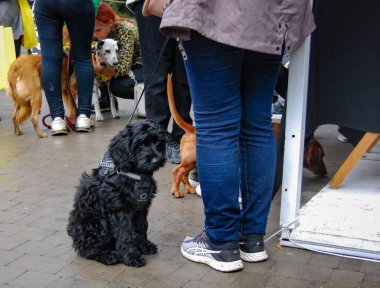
<point>187,148</point>
<point>313,155</point>
<point>313,158</point>
<point>25,88</point>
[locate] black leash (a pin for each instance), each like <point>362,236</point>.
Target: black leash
<point>166,40</point>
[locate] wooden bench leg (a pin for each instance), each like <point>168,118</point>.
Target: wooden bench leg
<point>374,143</point>
<point>367,142</point>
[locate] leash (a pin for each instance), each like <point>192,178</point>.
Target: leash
<point>166,40</point>
<point>70,122</point>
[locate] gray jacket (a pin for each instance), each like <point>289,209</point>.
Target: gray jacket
<point>257,25</point>
<point>10,17</point>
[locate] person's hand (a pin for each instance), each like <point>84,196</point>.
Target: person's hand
<point>109,72</point>
<point>98,69</point>
<point>105,71</point>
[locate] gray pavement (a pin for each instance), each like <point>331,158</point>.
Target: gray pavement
<point>37,184</point>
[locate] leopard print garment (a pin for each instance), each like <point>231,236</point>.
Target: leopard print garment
<point>127,35</point>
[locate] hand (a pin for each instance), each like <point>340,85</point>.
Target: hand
<point>109,72</point>
<point>105,71</point>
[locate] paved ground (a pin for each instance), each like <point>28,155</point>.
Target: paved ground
<point>37,183</point>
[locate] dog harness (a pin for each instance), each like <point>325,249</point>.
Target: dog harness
<point>142,188</point>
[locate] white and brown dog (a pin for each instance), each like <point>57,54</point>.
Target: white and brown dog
<point>106,54</point>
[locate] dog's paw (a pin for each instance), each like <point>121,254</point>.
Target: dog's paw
<point>178,194</point>
<point>99,117</point>
<point>134,260</point>
<point>148,248</point>
<point>190,190</point>
<point>109,258</point>
<point>42,135</point>
<point>115,115</point>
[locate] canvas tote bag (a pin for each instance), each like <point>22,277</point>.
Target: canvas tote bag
<point>7,54</point>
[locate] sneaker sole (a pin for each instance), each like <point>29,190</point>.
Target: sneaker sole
<point>253,257</point>
<point>84,129</point>
<point>217,265</point>
<point>59,132</point>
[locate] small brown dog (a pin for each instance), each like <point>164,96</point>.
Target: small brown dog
<point>25,88</point>
<point>187,148</point>
<point>313,158</point>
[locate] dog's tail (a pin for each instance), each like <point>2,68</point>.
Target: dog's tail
<point>173,110</point>
<point>8,90</point>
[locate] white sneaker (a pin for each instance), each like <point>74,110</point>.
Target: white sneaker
<point>84,124</point>
<point>193,178</point>
<point>59,127</point>
<point>198,190</point>
<point>342,138</point>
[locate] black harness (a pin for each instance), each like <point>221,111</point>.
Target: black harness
<point>142,186</point>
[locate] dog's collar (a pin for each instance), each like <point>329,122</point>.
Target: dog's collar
<point>107,167</point>
<point>143,188</point>
<point>130,175</point>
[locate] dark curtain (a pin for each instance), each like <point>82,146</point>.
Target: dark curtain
<point>344,81</point>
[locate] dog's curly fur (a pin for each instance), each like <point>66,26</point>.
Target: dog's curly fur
<point>105,224</point>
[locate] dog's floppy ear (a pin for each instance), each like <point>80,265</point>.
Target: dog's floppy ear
<point>313,158</point>
<point>99,44</point>
<point>119,149</point>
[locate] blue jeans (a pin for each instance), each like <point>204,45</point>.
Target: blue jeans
<point>232,91</point>
<point>79,17</point>
<point>123,86</point>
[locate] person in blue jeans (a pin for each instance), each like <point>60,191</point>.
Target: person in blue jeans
<point>50,16</point>
<point>232,52</point>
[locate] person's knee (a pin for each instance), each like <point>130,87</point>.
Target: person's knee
<point>122,91</point>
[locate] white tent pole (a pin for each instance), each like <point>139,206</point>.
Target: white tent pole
<point>294,136</point>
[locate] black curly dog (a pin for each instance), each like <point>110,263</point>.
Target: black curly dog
<point>109,220</point>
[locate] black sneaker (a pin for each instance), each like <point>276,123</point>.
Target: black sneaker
<point>224,258</point>
<point>252,248</point>
<point>172,152</point>
<point>193,177</point>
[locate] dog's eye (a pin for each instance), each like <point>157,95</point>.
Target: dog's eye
<point>108,51</point>
<point>161,147</point>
